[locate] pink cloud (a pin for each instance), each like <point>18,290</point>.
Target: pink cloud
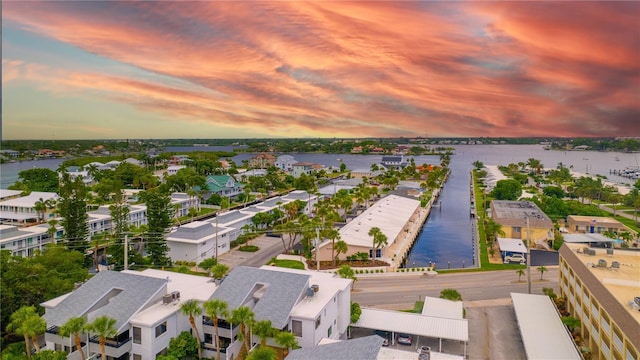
<point>366,68</point>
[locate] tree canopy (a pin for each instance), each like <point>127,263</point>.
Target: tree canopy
<point>507,189</point>
<point>37,179</point>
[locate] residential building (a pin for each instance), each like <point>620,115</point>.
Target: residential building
<point>523,220</point>
<point>594,224</point>
<point>235,220</point>
<point>312,305</point>
<point>368,173</point>
<point>9,153</point>
<point>24,241</point>
<point>394,162</point>
<point>223,185</point>
<point>300,168</point>
<point>6,194</point>
<point>393,215</point>
<point>197,241</point>
<point>262,161</point>
<point>173,169</point>
<point>145,305</point>
<point>22,210</point>
<point>285,162</point>
<point>600,286</point>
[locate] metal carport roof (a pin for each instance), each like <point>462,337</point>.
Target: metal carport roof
<point>543,334</point>
<point>416,324</point>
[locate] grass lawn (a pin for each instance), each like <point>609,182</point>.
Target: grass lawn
<point>291,264</point>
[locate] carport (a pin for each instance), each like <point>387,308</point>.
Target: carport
<point>416,324</point>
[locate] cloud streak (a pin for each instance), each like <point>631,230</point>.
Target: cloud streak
<point>351,68</point>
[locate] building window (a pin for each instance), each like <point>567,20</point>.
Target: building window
<point>208,338</point>
<point>318,320</point>
<point>296,328</point>
<point>137,357</point>
<point>137,335</point>
<point>162,352</point>
<point>161,329</point>
<point>329,331</point>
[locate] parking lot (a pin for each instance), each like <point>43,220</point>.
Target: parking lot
<point>448,346</point>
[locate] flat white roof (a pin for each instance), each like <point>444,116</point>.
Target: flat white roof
<point>543,334</point>
<point>386,353</point>
<point>586,238</point>
<point>512,245</point>
<point>6,193</point>
<point>442,308</point>
<point>416,324</point>
<point>190,287</point>
<point>29,200</point>
<point>390,214</point>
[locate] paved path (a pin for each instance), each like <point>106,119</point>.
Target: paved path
<point>269,248</point>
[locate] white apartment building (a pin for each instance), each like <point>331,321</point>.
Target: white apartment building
<point>146,306</point>
<point>24,241</point>
<point>21,209</point>
<point>197,241</point>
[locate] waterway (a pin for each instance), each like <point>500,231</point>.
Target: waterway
<point>446,237</point>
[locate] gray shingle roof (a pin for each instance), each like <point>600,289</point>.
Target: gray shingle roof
<point>366,348</point>
<point>282,292</point>
<point>230,216</point>
<point>196,232</point>
<point>117,295</point>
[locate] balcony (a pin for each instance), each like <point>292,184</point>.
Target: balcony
<point>114,348</point>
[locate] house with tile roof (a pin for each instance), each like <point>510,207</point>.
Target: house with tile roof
<point>300,168</point>
<point>262,161</point>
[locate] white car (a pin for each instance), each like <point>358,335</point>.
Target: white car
<point>514,258</point>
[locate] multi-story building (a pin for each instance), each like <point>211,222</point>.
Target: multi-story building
<point>145,305</point>
<point>223,185</point>
<point>262,161</point>
<point>600,286</point>
<point>285,162</point>
<point>312,305</point>
<point>197,241</point>
<point>300,168</point>
<point>522,220</point>
<point>22,209</point>
<point>593,224</point>
<point>24,241</point>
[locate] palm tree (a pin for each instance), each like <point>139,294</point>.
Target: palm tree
<point>287,341</point>
<point>218,271</point>
<point>333,235</point>
<point>192,308</point>
<point>520,273</point>
<point>51,230</point>
<point>340,247</point>
<point>541,269</point>
<point>492,228</point>
<point>105,327</point>
<point>379,239</point>
<point>35,327</point>
<point>74,326</point>
<point>19,322</point>
<point>262,353</point>
<point>40,207</point>
<point>245,317</point>
<point>215,309</point>
<point>264,330</point>
<point>346,272</point>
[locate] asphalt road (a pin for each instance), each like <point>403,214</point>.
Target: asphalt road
<point>399,291</point>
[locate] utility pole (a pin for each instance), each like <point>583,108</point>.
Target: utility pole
<point>126,252</point>
<point>317,244</point>
<point>528,258</point>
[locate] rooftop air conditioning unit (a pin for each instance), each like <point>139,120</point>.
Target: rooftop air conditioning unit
<point>609,251</point>
<point>167,299</point>
<point>602,263</point>
<point>175,295</point>
<point>315,288</point>
<point>310,292</point>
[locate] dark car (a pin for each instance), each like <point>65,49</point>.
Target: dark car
<point>404,339</point>
<point>385,335</point>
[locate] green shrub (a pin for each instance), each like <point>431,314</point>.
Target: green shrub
<point>248,248</point>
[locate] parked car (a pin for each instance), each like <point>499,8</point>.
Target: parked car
<point>514,258</point>
<point>385,335</point>
<point>404,339</point>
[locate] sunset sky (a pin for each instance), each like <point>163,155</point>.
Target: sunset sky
<point>245,69</point>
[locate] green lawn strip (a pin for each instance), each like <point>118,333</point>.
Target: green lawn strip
<point>291,264</point>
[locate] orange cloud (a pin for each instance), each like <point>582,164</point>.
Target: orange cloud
<point>356,68</point>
